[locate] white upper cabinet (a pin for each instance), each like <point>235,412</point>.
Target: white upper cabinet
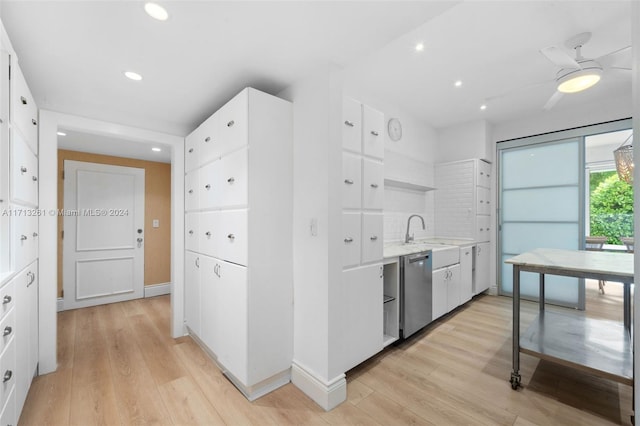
<point>24,112</point>
<point>351,233</point>
<point>209,188</point>
<point>191,231</point>
<point>351,125</point>
<point>483,174</point>
<point>24,172</point>
<point>351,181</point>
<point>192,151</point>
<point>209,139</point>
<point>191,191</point>
<point>372,238</point>
<point>233,179</point>
<point>373,185</point>
<point>372,132</point>
<point>233,124</point>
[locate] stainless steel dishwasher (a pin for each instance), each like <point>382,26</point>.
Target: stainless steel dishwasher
<point>415,292</point>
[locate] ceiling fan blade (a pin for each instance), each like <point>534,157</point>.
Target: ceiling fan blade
<point>559,57</point>
<point>553,100</point>
<point>615,52</point>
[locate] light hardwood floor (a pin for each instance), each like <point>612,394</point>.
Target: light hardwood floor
<point>119,365</point>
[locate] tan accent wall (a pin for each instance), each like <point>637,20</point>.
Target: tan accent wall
<point>157,205</point>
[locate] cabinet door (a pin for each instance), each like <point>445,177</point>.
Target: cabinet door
<point>192,231</point>
<point>466,273</point>
<point>363,308</point>
<point>209,139</point>
<point>24,112</point>
<point>7,298</point>
<point>192,150</point>
<point>232,318</point>
<point>351,125</point>
<point>481,272</point>
<point>233,127</point>
<point>351,232</point>
<point>209,188</point>
<point>209,230</point>
<point>8,416</point>
<point>372,241</point>
<point>192,291</point>
<point>439,300</point>
<point>9,368</point>
<point>7,329</point>
<point>209,282</point>
<point>373,185</point>
<point>24,172</point>
<point>453,287</point>
<point>483,177</point>
<point>351,181</point>
<point>372,132</point>
<point>233,179</point>
<point>483,228</point>
<point>482,200</point>
<point>26,342</point>
<point>25,240</point>
<point>232,239</point>
<point>191,196</point>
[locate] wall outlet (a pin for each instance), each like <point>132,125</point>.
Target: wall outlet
<point>156,223</point>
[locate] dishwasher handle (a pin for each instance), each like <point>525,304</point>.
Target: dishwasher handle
<point>419,258</point>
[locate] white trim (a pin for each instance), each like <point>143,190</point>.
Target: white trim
<point>60,304</point>
<point>157,289</point>
<point>327,395</point>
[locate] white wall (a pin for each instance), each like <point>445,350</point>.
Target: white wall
<point>465,141</point>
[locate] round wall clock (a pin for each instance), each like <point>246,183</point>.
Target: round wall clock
<point>394,128</point>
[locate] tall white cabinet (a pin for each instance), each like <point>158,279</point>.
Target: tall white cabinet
<point>362,233</point>
<point>463,210</point>
<point>19,236</point>
<point>238,260</point>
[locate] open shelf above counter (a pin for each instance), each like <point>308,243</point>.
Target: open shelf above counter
<point>407,185</point>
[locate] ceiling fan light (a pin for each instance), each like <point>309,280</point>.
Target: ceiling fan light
<point>579,80</point>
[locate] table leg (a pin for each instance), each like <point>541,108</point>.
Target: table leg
<point>627,307</point>
<point>515,373</point>
<point>541,299</point>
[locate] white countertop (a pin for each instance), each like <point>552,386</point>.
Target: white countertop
<point>397,249</point>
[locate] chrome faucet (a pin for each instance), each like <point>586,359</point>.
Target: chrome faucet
<point>409,238</point>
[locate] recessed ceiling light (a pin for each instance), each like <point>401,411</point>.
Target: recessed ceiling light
<point>62,134</point>
<point>156,11</point>
<point>483,107</point>
<point>133,75</point>
<point>154,149</point>
<point>458,83</point>
<point>420,47</point>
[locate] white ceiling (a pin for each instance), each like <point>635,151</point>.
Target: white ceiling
<point>73,54</point>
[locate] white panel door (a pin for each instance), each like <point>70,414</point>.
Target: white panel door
<point>352,181</point>
<point>104,238</point>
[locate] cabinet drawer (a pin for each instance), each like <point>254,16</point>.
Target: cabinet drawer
<point>24,112</point>
<point>483,200</point>
<point>208,230</point>
<point>209,188</point>
<point>8,416</point>
<point>25,240</point>
<point>351,181</point>
<point>372,132</point>
<point>7,329</point>
<point>209,139</point>
<point>233,124</point>
<point>484,174</point>
<point>483,228</point>
<point>351,232</point>
<point>233,179</point>
<point>24,172</point>
<point>231,241</point>
<point>192,151</point>
<point>373,185</point>
<point>7,298</point>
<point>191,199</point>
<point>192,231</point>
<point>372,241</point>
<point>7,371</point>
<point>352,125</point>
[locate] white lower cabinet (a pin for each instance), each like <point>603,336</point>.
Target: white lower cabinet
<point>466,273</point>
<point>26,339</point>
<point>209,301</point>
<point>481,271</point>
<point>446,290</point>
<point>192,291</point>
<point>364,322</point>
<point>8,414</point>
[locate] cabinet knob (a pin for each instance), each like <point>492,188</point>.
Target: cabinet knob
<point>197,262</point>
<point>6,299</point>
<point>231,179</point>
<point>190,150</point>
<point>481,229</point>
<point>23,100</point>
<point>207,186</point>
<point>231,123</point>
<point>231,237</point>
<point>374,185</point>
<point>374,133</point>
<point>34,122</point>
<point>191,191</point>
<point>35,234</point>
<point>207,139</point>
<point>190,231</point>
<point>481,201</point>
<point>348,181</point>
<point>23,237</point>
<point>7,376</point>
<point>373,238</point>
<point>488,175</point>
<point>34,178</point>
<point>23,169</point>
<point>208,234</point>
<point>481,173</point>
<point>348,240</point>
<point>7,331</point>
<point>348,123</point>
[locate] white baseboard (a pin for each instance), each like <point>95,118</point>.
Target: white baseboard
<point>157,289</point>
<point>327,395</point>
<point>60,304</point>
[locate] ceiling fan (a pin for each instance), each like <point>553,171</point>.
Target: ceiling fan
<point>580,73</point>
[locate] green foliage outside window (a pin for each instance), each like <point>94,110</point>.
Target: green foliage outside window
<point>611,209</point>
